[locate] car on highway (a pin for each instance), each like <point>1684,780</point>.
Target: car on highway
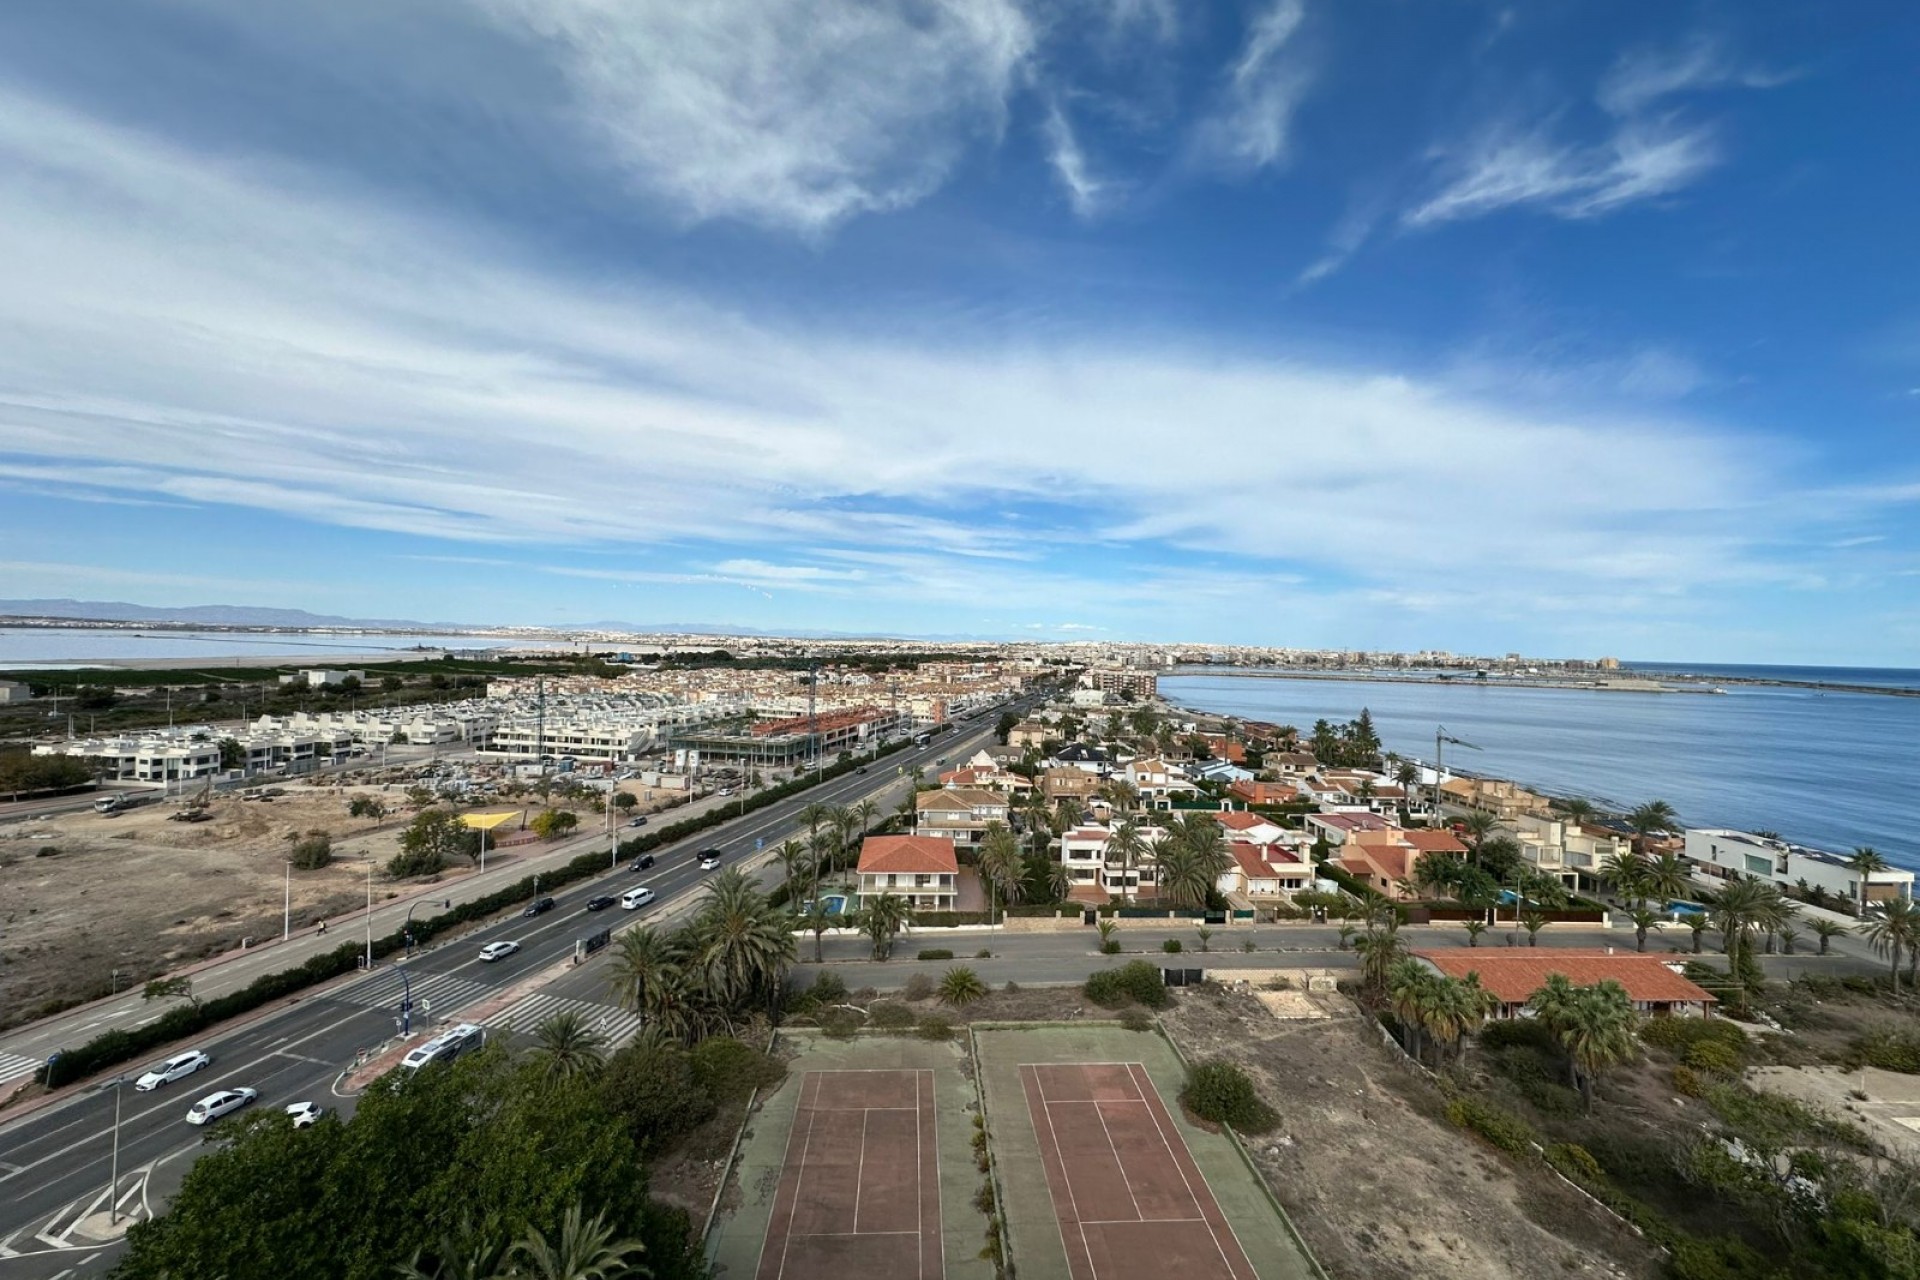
<point>304,1114</point>
<point>634,899</point>
<point>642,863</point>
<point>178,1067</point>
<point>498,950</point>
<point>640,821</point>
<point>539,906</point>
<point>600,901</point>
<point>709,859</point>
<point>223,1103</point>
<point>724,791</point>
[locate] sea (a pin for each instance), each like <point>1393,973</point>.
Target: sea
<point>79,646</point>
<point>1823,768</point>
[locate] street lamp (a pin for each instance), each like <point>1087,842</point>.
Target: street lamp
<point>113,1183</point>
<point>406,926</point>
<point>286,911</point>
<point>369,912</point>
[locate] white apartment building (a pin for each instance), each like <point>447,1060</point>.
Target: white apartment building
<point>1566,849</point>
<point>1084,852</point>
<point>1717,854</point>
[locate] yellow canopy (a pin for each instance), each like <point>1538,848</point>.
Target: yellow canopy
<point>488,821</point>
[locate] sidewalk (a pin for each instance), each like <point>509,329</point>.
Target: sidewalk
<point>232,970</point>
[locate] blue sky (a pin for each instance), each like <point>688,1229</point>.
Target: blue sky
<point>1565,328</point>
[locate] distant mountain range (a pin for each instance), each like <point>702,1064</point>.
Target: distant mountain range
<point>231,615</point>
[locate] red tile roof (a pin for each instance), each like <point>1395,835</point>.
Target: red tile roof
<point>1427,841</point>
<point>1513,974</point>
<point>915,854</point>
<point>1240,820</point>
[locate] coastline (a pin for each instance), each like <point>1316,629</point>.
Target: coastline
<point>1677,683</point>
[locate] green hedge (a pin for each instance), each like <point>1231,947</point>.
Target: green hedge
<point>1135,982</point>
<point>948,919</point>
<point>115,1047</point>
<point>1508,1132</point>
<point>934,953</point>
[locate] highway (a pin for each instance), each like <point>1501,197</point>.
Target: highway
<point>55,1164</point>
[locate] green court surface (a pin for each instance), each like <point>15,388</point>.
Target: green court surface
<point>806,1200</point>
<point>1087,1135</point>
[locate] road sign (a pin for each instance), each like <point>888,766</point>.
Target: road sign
<point>759,842</point>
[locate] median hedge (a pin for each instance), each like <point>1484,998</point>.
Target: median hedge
<point>116,1047</point>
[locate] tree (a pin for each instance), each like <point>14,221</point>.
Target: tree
<point>1865,863</point>
<point>1478,824</point>
<point>1474,929</point>
<point>1000,863</point>
<point>1533,922</point>
<point>566,1046</point>
<point>1125,848</point>
<point>740,945</point>
<point>1826,930</point>
<point>1652,817</point>
<point>961,986</point>
<point>552,824</point>
<point>1380,948</point>
<point>1736,909</point>
<point>642,959</point>
<point>583,1251</point>
<point>1190,859</point>
<point>175,988</point>
<point>367,807</point>
<point>1667,877</point>
<point>1004,729</point>
<point>1644,919</point>
<point>1627,873</point>
<point>625,801</point>
<point>881,919</point>
<point>1594,1027</point>
<point>429,840</point>
<point>311,851</point>
<point>232,754</point>
<point>1578,810</point>
<point>1894,933</point>
<point>817,918</point>
<point>1697,923</point>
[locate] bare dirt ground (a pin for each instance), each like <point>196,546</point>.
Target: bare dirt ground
<point>141,894</point>
<point>1377,1182</point>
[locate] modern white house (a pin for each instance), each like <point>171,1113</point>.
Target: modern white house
<point>921,869</point>
<point>1716,854</point>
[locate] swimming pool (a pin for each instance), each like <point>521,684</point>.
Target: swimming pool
<point>835,903</point>
<point>1679,908</point>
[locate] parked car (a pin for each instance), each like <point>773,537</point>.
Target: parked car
<point>640,821</point>
<point>498,950</point>
<point>709,859</point>
<point>861,769</point>
<point>178,1067</point>
<point>539,906</point>
<point>724,791</point>
<point>642,863</point>
<point>215,1105</point>
<point>634,899</point>
<point>305,1114</point>
<point>600,901</point>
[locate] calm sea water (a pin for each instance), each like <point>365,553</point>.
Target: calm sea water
<point>1832,770</point>
<point>1884,677</point>
<point>77,646</point>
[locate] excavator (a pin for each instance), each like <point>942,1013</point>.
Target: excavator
<point>197,809</point>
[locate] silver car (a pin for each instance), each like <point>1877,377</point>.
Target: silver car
<point>215,1105</point>
<point>178,1067</point>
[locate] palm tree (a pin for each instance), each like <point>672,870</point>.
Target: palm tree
<point>1410,995</point>
<point>864,811</point>
<point>1627,872</point>
<point>1474,929</point>
<point>1865,862</point>
<point>466,1253</point>
<point>1594,1026</point>
<point>1736,910</point>
<point>1379,949</point>
<point>1653,816</point>
<point>1667,877</point>
<point>1788,935</point>
<point>881,919</point>
<point>1120,794</point>
<point>1126,846</point>
<point>1107,929</point>
<point>584,1251</point>
<point>1190,869</point>
<point>817,919</point>
<point>1697,922</point>
<point>742,946</point>
<point>1346,932</point>
<point>1468,1005</point>
<point>568,1047</point>
<point>1000,863</point>
<point>1578,810</point>
<point>1826,930</point>
<point>1894,933</point>
<point>1059,881</point>
<point>1478,824</point>
<point>792,856</point>
<point>641,959</point>
<point>1644,919</point>
<point>961,986</point>
<point>1533,922</point>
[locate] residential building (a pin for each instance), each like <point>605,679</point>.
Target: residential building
<point>1716,854</point>
<point>14,691</point>
<point>1031,733</point>
<point>1570,851</point>
<point>1068,783</point>
<point>1512,975</point>
<point>1264,872</point>
<point>1264,793</point>
<point>1078,755</point>
<point>991,778</point>
<point>1289,763</point>
<point>1139,686</point>
<point>920,868</point>
<point>1095,874</point>
<point>1335,828</point>
<point>1386,858</point>
<point>1156,782</point>
<point>960,814</point>
<point>321,677</point>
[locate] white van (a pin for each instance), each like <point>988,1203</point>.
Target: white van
<point>634,899</point>
<point>446,1046</point>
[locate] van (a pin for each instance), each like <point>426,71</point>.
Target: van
<point>446,1046</point>
<point>634,899</point>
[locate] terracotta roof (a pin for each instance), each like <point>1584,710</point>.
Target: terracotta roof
<point>1251,863</point>
<point>1514,973</point>
<point>1351,821</point>
<point>1239,820</point>
<point>959,798</point>
<point>916,854</point>
<point>1433,841</point>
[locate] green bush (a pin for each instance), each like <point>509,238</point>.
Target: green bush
<point>1223,1093</point>
<point>983,953</point>
<point>961,986</point>
<point>729,1069</point>
<point>889,1015</point>
<point>1715,1057</point>
<point>655,1088</point>
<point>1508,1132</point>
<point>1517,1032</point>
<point>919,987</point>
<point>934,953</point>
<point>1171,946</point>
<point>935,1027</point>
<point>1134,1018</point>
<point>1576,1162</point>
<point>1687,1081</point>
<point>1136,982</point>
<point>1681,1034</point>
<point>1888,1048</point>
<point>1110,948</point>
<point>1771,1121</point>
<point>840,1023</point>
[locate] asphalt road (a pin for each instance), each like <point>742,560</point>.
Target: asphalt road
<point>55,1165</point>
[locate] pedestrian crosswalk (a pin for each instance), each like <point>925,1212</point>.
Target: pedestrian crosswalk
<point>445,992</point>
<point>614,1024</point>
<point>14,1067</point>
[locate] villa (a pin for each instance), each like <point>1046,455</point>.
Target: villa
<point>1514,974</point>
<point>921,869</point>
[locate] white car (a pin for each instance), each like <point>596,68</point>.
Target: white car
<point>498,950</point>
<point>215,1105</point>
<point>305,1114</point>
<point>709,861</point>
<point>178,1067</point>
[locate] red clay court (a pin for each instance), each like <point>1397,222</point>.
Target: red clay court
<point>859,1192</point>
<point>1132,1203</point>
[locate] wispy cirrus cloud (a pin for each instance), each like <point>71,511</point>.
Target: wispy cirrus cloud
<point>1642,77</point>
<point>1250,126</point>
<point>1088,194</point>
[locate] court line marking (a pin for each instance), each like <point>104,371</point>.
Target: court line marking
<point>860,1169</point>
<point>1213,1232</point>
<point>1066,1180</point>
<point>1118,1163</point>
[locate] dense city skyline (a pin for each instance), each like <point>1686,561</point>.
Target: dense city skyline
<point>1466,326</point>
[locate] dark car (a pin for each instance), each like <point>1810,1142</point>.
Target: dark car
<point>642,863</point>
<point>710,858</point>
<point>861,769</point>
<point>600,901</point>
<point>538,906</point>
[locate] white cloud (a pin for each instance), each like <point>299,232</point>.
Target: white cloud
<point>1503,169</point>
<point>786,113</point>
<point>1263,88</point>
<point>166,333</point>
<point>1087,194</point>
<point>1644,76</point>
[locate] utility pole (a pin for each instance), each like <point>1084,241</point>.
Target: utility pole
<point>113,1177</point>
<point>286,918</point>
